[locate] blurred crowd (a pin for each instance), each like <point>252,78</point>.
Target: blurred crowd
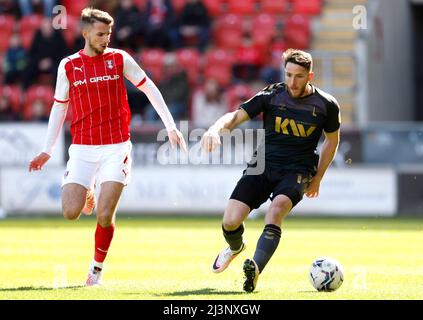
<point>206,56</point>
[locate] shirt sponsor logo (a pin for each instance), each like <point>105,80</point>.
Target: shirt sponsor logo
<point>96,79</point>
<point>297,129</point>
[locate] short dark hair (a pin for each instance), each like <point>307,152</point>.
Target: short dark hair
<point>299,57</point>
<point>91,15</point>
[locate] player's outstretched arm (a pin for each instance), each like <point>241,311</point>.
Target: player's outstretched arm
<point>55,124</point>
<point>229,121</point>
<point>153,94</point>
<point>38,162</point>
<point>176,138</point>
<point>329,148</point>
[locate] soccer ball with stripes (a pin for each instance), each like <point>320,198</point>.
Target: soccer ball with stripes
<point>326,274</point>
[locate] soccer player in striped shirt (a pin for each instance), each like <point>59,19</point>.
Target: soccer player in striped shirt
<point>91,81</point>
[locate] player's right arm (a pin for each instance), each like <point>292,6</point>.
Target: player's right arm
<point>56,119</point>
<point>229,121</point>
<point>248,110</point>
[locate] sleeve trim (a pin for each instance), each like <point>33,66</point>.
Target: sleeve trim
<point>61,101</point>
<point>141,82</point>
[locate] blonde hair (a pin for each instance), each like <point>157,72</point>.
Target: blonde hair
<point>90,15</point>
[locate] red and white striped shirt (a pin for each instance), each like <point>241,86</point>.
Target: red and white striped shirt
<point>95,89</point>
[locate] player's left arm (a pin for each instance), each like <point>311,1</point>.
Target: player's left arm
<point>133,72</point>
<point>327,154</point>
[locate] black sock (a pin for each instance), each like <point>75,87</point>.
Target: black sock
<point>266,245</point>
<point>234,238</point>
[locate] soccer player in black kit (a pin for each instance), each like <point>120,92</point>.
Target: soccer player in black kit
<point>294,115</point>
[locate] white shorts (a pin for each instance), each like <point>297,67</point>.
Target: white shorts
<point>88,163</point>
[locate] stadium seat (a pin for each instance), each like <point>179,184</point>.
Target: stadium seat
<point>190,60</point>
<point>28,26</point>
<point>237,94</point>
<point>38,92</point>
<point>14,94</point>
<point>297,32</point>
<point>7,23</point>
<point>222,74</point>
<point>263,29</point>
<point>1,67</point>
<point>214,7</point>
<point>74,7</point>
<point>229,22</point>
<point>219,57</point>
<point>4,42</point>
<point>308,7</point>
<point>274,6</point>
<point>218,66</point>
<point>151,61</point>
<point>228,31</point>
<point>71,31</point>
<point>141,4</point>
<point>244,7</point>
<point>178,5</point>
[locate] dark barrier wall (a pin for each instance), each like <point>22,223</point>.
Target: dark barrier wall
<point>410,192</point>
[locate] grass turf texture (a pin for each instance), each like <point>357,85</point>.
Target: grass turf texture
<point>171,258</point>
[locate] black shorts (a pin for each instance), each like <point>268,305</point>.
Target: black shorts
<point>254,190</point>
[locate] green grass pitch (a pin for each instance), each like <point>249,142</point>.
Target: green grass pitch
<point>170,258</point>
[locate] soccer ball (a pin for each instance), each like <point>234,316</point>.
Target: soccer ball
<point>326,274</point>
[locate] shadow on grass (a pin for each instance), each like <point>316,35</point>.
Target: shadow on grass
<point>199,292</point>
<point>38,288</point>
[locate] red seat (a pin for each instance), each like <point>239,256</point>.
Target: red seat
<point>308,7</point>
<point>7,23</point>
<point>190,60</point>
<point>14,94</point>
<point>152,62</point>
<point>297,32</point>
<point>214,7</point>
<point>71,31</point>
<point>228,39</point>
<point>238,94</point>
<point>219,66</point>
<point>178,5</point>
<point>28,25</point>
<point>219,57</point>
<point>274,6</point>
<point>229,21</point>
<point>4,42</point>
<point>140,4</point>
<point>228,31</point>
<point>222,74</point>
<point>74,7</point>
<point>38,92</point>
<point>245,7</point>
<point>263,29</point>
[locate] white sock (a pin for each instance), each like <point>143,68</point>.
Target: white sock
<point>96,264</point>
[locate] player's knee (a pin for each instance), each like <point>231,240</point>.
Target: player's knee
<point>230,224</point>
<point>71,214</point>
<point>104,221</point>
<point>279,210</point>
<point>104,215</point>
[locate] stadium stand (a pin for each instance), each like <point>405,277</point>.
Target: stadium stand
<point>28,25</point>
<point>273,26</point>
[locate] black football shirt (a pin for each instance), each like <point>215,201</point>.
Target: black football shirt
<point>293,126</point>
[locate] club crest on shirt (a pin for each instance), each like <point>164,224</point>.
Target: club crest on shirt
<point>109,64</point>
